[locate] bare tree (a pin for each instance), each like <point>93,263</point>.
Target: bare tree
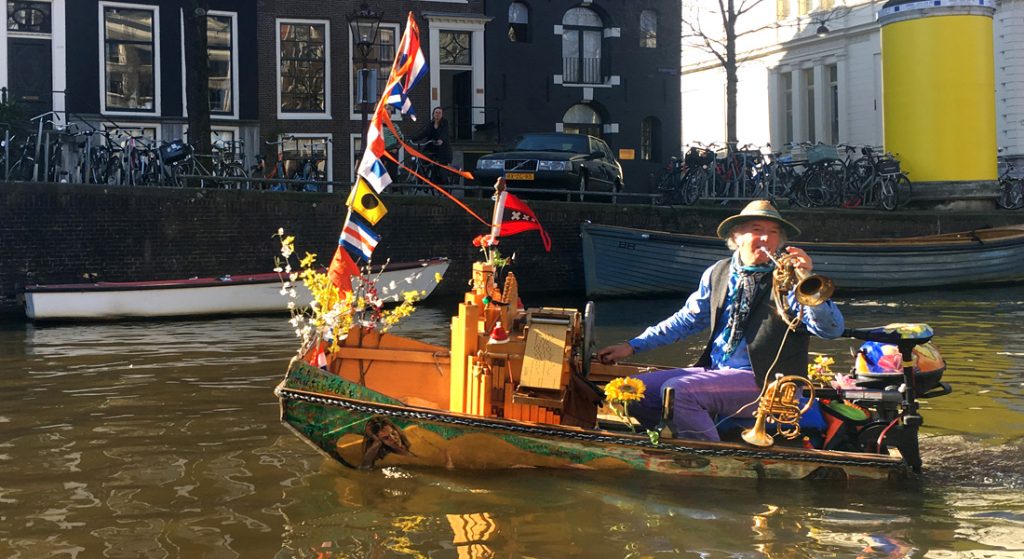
<point>720,41</point>
<point>197,74</point>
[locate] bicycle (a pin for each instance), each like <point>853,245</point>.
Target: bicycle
<point>259,170</point>
<point>1011,189</point>
<point>774,176</point>
<point>821,182</point>
<point>669,183</point>
<point>894,188</point>
<point>412,168</point>
<point>227,164</point>
<point>308,168</point>
<point>94,166</point>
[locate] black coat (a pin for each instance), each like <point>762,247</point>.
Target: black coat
<point>442,153</point>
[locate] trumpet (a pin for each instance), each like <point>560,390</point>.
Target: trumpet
<point>809,289</point>
<point>779,404</point>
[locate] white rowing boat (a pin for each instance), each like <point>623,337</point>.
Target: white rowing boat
<point>225,295</point>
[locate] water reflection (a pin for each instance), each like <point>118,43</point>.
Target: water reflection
<point>158,439</point>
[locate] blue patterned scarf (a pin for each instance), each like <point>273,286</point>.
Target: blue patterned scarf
<point>744,286</point>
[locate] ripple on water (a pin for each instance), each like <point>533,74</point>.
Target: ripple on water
<point>956,460</point>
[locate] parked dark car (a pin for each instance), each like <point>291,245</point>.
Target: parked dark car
<point>554,161</point>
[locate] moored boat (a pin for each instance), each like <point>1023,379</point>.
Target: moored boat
<point>225,295</point>
<point>624,261</point>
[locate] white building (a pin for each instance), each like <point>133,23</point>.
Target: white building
<point>796,84</point>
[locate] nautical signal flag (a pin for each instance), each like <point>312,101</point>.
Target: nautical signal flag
<point>512,216</point>
<point>358,238</point>
<point>365,202</point>
<point>342,269</point>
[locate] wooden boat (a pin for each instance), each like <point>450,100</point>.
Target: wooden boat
<point>623,261</point>
<point>532,400</point>
<point>247,294</point>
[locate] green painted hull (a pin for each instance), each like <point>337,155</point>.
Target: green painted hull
<point>332,414</point>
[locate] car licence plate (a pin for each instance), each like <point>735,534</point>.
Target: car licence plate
<point>519,176</point>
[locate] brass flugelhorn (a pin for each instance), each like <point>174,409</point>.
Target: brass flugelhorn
<point>809,289</point>
<point>779,404</point>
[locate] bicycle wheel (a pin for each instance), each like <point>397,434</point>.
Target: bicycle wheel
<point>694,186</point>
<point>669,181</point>
<point>21,170</point>
<point>181,170</point>
<point>780,182</point>
<point>887,196</point>
<point>237,175</point>
<point>1011,194</point>
<point>669,186</point>
<point>904,190</point>
<point>1017,196</point>
<point>690,191</point>
<point>859,175</point>
<point>815,188</point>
<point>797,194</point>
<point>114,171</point>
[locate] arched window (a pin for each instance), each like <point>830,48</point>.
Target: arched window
<point>650,139</point>
<point>518,22</point>
<point>582,119</point>
<point>648,29</point>
<point>582,32</point>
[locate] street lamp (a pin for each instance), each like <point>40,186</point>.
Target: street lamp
<point>364,23</point>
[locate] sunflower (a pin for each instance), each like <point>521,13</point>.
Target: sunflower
<point>624,389</point>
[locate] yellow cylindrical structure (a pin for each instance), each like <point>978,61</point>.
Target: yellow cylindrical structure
<point>938,89</point>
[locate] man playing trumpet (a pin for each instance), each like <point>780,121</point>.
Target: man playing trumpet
<point>749,339</point>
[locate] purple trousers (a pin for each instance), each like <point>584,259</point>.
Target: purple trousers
<point>701,396</point>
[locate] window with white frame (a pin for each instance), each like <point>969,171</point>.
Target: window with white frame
<point>29,16</point>
<point>455,48</point>
<point>143,135</point>
<point>832,74</point>
<point>650,139</point>
<point>148,131</point>
<point>581,119</point>
<point>811,123</point>
<point>129,36</point>
<point>518,22</point>
<point>304,67</point>
<point>306,155</point>
<point>220,48</point>
<point>378,67</point>
<point>782,9</point>
<point>785,8</point>
<point>582,34</point>
<point>787,107</point>
<point>648,29</point>
<point>355,153</point>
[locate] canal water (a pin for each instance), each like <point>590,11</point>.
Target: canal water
<point>161,439</point>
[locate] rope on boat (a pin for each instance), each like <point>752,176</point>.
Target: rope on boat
<point>584,436</point>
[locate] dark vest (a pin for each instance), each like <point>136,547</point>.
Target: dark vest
<point>763,333</point>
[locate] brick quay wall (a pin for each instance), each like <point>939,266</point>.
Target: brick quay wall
<point>65,233</point>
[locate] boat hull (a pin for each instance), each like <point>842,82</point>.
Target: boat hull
<point>331,414</point>
<point>622,261</point>
<point>227,295</point>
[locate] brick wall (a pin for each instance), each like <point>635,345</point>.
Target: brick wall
<point>60,233</point>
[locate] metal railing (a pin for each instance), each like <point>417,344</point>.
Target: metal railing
<point>582,70</point>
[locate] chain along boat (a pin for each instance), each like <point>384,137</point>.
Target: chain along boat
<point>623,261</point>
<point>225,295</point>
<point>518,388</point>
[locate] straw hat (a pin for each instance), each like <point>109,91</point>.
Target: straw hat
<point>758,209</point>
